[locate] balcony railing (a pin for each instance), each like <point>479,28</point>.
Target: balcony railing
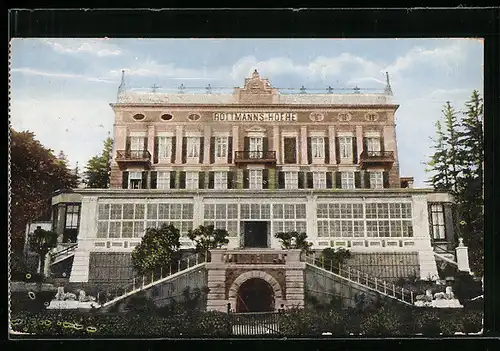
<point>133,155</point>
<point>376,157</point>
<point>255,156</point>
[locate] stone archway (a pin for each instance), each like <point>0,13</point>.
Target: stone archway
<point>244,277</point>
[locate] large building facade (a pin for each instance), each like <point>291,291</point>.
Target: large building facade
<point>257,162</point>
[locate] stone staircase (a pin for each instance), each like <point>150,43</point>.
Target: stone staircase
<point>184,266</point>
<point>356,277</point>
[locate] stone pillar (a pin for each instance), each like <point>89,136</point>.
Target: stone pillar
<point>331,140</point>
<point>272,178</point>
<point>294,280</point>
<point>239,178</point>
<point>151,140</point>
<point>88,230</point>
<point>311,223</point>
<point>303,145</point>
<point>359,141</point>
<point>61,214</point>
<point>276,144</point>
<point>420,222</point>
<point>236,141</point>
<point>120,141</point>
<point>179,133</point>
<point>216,298</point>
<point>197,211</point>
<point>207,134</point>
<point>462,257</point>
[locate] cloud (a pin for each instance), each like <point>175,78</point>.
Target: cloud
<point>78,46</point>
<point>59,75</point>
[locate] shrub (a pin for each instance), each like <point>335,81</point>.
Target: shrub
<point>472,321</point>
<point>466,288</point>
<point>449,326</point>
<point>427,323</point>
<point>300,322</point>
<point>384,322</point>
<point>211,323</point>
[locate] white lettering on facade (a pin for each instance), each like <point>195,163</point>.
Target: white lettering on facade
<point>255,117</point>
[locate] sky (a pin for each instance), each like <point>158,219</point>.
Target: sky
<point>61,88</point>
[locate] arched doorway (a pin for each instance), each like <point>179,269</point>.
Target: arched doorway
<point>255,295</point>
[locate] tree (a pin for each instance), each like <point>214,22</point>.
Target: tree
<point>98,169</point>
<point>41,241</point>
<point>334,258</point>
<point>439,163</point>
<point>294,240</point>
<point>156,250</point>
<point>207,238</point>
<point>35,174</point>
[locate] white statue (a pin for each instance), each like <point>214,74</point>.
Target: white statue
<point>449,293</point>
<point>70,297</point>
<point>439,296</point>
<point>81,296</point>
<point>60,293</point>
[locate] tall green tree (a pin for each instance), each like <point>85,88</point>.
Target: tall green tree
<point>207,237</point>
<point>35,173</point>
<point>157,249</point>
<point>98,169</point>
<point>439,162</point>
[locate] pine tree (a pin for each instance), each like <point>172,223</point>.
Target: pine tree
<point>452,144</point>
<point>439,163</point>
<point>98,169</point>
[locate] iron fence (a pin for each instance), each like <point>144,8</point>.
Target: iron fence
<point>254,323</point>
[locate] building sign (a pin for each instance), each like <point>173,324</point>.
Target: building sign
<point>255,117</point>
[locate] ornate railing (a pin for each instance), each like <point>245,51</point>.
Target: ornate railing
<point>126,155</point>
<point>255,156</point>
<point>254,258</point>
<point>377,155</point>
<point>373,283</point>
<point>66,252</point>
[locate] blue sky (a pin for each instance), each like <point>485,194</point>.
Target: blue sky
<point>61,88</point>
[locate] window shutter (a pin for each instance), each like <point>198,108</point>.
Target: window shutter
<point>386,179</point>
<point>329,180</point>
<point>230,179</point>
<point>281,180</point>
<point>365,144</point>
<point>246,144</point>
<point>124,180</point>
<point>202,151</point>
<point>290,150</point>
<point>337,150</point>
<point>355,150</point>
<point>246,179</point>
<point>338,180</point>
<point>184,149</point>
<point>212,150</point>
<point>357,180</point>
<point>211,180</point>
<point>155,151</point>
<point>144,182</point>
<point>310,182</point>
<point>127,144</point>
<point>382,144</point>
<point>172,179</point>
<point>265,144</point>
<point>154,179</point>
<point>327,150</point>
<point>301,180</point>
<point>230,150</point>
<point>201,180</point>
<point>182,180</point>
<point>145,144</point>
<point>367,179</point>
<point>174,148</point>
<point>309,150</point>
<point>265,179</point>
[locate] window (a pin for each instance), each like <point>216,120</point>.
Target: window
<point>437,222</point>
<point>135,180</point>
<point>139,117</point>
<point>318,147</point>
<point>376,180</point>
<point>256,146</point>
<point>193,147</point>
<point>255,181</point>
<point>221,146</point>
<point>222,216</point>
<point>373,144</point>
<point>136,143</point>
<point>164,148</point>
<point>166,117</point>
<point>347,180</point>
<point>291,180</point>
<point>192,180</point>
<point>71,224</point>
<point>220,180</point>
<point>319,180</point>
<point>163,180</point>
<point>289,217</point>
<point>345,144</point>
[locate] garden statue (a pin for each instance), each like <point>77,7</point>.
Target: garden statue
<point>428,295</point>
<point>81,296</point>
<point>60,293</point>
<point>70,297</point>
<point>439,296</point>
<point>449,293</point>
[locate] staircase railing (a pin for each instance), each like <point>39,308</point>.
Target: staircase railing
<point>63,253</point>
<point>158,276</point>
<point>356,276</point>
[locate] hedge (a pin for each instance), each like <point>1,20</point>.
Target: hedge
<point>386,321</point>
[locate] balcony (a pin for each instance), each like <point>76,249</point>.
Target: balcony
<point>376,158</point>
<point>255,157</point>
<point>133,157</point>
